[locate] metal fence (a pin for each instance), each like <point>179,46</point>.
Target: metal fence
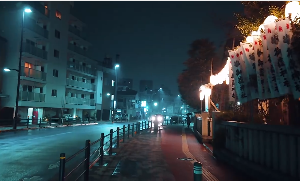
<point>95,151</point>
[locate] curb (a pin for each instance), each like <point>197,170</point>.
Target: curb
<point>57,126</point>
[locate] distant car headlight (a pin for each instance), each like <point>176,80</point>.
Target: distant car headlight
<point>153,118</point>
<point>159,118</point>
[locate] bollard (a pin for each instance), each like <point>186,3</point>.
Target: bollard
<point>128,130</point>
<point>101,149</point>
<point>87,161</point>
<point>110,141</point>
<point>148,124</point>
<point>62,163</point>
<point>124,133</point>
<point>118,137</point>
<point>197,171</point>
<point>132,133</point>
<point>50,121</point>
<point>27,121</point>
<point>40,122</point>
<point>151,124</point>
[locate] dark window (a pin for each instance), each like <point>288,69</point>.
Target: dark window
<point>83,64</point>
<point>44,48</point>
<point>45,27</point>
<point>73,60</point>
<point>54,93</point>
<point>57,34</point>
<point>73,77</point>
<point>74,43</point>
<point>82,95</point>
<point>83,80</point>
<point>42,68</point>
<point>41,90</point>
<point>72,95</point>
<point>55,73</point>
<point>92,96</point>
<point>92,80</point>
<point>30,88</point>
<point>30,42</point>
<point>56,53</point>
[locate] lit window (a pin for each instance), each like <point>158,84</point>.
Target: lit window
<point>58,14</point>
<point>112,83</point>
<point>28,65</point>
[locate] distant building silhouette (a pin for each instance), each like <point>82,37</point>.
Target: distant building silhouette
<point>146,85</point>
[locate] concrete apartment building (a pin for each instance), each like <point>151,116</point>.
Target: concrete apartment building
<point>57,75</point>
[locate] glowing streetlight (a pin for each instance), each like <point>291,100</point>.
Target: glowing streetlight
<point>27,10</point>
<point>155,104</point>
<point>108,94</point>
<point>117,66</point>
<point>6,69</point>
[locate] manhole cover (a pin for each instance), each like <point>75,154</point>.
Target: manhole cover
<point>186,159</point>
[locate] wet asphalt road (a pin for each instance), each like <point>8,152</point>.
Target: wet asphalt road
<point>34,154</point>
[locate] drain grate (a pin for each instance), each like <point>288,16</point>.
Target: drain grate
<point>185,159</point>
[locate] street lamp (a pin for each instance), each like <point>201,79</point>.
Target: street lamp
<point>26,10</point>
<point>116,90</point>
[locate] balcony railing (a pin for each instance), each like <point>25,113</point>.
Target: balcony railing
<point>77,32</point>
<point>78,50</point>
<point>81,68</point>
<point>39,7</point>
<point>34,50</point>
<point>31,73</point>
<point>79,84</point>
<point>31,96</point>
<point>35,28</point>
<point>80,101</point>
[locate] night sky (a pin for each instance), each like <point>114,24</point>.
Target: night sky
<point>153,38</point>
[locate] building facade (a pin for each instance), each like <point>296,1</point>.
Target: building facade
<point>57,74</point>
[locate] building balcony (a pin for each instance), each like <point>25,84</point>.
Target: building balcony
<point>78,50</point>
<point>81,85</point>
<point>35,51</point>
<point>80,68</point>
<point>38,7</point>
<point>31,96</point>
<point>80,101</point>
<point>31,73</point>
<point>29,24</point>
<point>77,32</point>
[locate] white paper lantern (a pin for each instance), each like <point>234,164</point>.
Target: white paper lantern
<point>293,9</point>
<point>249,39</point>
<point>270,19</point>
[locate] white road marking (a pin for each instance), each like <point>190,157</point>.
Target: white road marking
<point>187,153</point>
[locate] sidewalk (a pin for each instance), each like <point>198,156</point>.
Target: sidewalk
<point>164,156</point>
